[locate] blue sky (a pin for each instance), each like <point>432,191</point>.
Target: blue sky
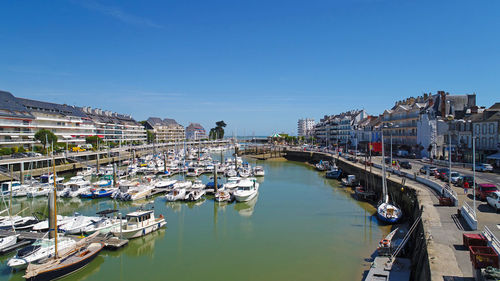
<point>257,65</point>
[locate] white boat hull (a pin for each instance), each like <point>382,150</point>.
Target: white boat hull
<point>138,232</point>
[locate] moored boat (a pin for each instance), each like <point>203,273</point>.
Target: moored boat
<point>138,224</point>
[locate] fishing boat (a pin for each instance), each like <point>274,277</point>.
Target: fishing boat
<point>247,189</point>
<point>176,194</point>
<point>94,193</point>
<point>386,211</point>
<point>138,224</point>
<point>362,193</point>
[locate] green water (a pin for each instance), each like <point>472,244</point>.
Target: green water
<point>301,227</point>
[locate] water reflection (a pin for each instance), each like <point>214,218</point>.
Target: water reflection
<point>246,209</point>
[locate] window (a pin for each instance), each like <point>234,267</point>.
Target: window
<point>491,144</point>
<point>484,129</point>
<point>492,129</point>
<point>483,141</point>
<point>477,129</point>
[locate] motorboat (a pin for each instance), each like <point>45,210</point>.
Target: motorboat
<point>38,251</point>
<point>104,181</point>
<point>195,195</point>
<point>231,173</point>
<point>198,184</point>
<point>258,171</point>
<point>49,179</point>
<point>322,166</point>
<point>183,184</point>
<point>74,190</point>
<point>102,225</point>
<point>138,224</point>
<point>18,223</point>
<point>334,173</point>
<point>247,189</point>
<point>193,172</point>
<point>94,193</point>
<point>85,172</point>
<point>79,180</point>
<point>165,183</point>
<point>176,194</point>
<point>77,224</point>
<point>44,225</point>
<point>8,187</point>
<point>222,196</point>
<point>350,180</point>
<point>8,241</point>
<point>232,182</point>
<point>42,190</point>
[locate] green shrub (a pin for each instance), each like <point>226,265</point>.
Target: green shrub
<point>14,149</point>
<point>5,151</point>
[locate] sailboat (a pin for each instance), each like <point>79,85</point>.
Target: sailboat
<point>386,211</point>
<point>65,261</point>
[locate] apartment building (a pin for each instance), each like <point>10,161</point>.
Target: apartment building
<point>305,127</point>
<point>195,131</point>
<point>166,130</point>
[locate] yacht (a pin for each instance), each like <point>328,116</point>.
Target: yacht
<point>85,172</point>
<point>77,224</point>
<point>42,190</point>
<point>247,189</point>
<point>102,225</point>
<point>8,241</point>
<point>49,179</point>
<point>183,184</point>
<point>138,224</point>
<point>139,192</point>
<point>8,187</point>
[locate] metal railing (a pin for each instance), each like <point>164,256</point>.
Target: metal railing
<point>470,210</point>
<point>495,243</point>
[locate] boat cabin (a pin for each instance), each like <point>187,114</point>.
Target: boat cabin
<point>139,217</point>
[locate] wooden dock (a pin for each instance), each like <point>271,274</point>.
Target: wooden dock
<point>26,238</point>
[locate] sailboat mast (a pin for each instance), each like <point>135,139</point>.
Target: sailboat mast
<point>55,203</point>
<point>384,183</point>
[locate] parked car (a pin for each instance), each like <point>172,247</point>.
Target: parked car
<point>19,155</point>
<point>483,167</point>
<point>493,200</point>
<point>463,179</point>
<point>77,148</point>
<point>33,154</point>
<point>454,177</point>
<point>483,189</point>
<point>425,168</point>
<point>441,172</point>
<point>405,164</point>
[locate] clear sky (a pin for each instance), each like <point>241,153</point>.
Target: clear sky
<point>257,65</point>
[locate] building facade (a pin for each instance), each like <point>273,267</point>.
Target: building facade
<point>21,118</point>
<point>165,130</point>
<point>195,131</point>
<point>305,127</point>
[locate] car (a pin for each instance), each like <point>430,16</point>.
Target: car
<point>405,164</point>
<point>426,168</point>
<point>483,167</point>
<point>463,179</point>
<point>493,200</point>
<point>483,189</point>
<point>19,155</point>
<point>441,172</point>
<point>33,154</point>
<point>454,176</point>
<point>387,160</point>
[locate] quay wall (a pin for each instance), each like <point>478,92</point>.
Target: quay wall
<point>406,197</point>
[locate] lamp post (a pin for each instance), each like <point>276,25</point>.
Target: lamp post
<point>474,172</point>
<point>450,118</point>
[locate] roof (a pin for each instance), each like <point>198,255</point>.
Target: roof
<point>156,121</point>
<point>40,106</point>
<point>139,213</point>
<point>11,107</point>
<point>194,127</point>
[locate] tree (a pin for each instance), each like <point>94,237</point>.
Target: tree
<point>93,140</point>
<point>218,131</point>
<point>45,137</point>
<point>150,136</point>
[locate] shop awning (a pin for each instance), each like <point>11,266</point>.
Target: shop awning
<point>66,137</point>
<point>495,156</point>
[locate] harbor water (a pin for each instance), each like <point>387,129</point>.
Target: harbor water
<point>300,227</point>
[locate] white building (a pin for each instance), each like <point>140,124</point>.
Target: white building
<point>305,127</point>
